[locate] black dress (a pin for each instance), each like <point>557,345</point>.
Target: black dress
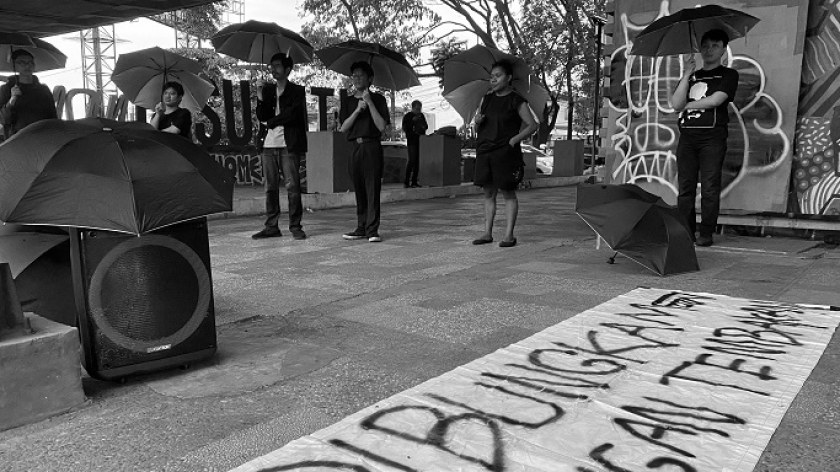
<point>497,163</point>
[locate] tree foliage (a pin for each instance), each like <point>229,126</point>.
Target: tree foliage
<point>403,25</point>
<point>201,21</point>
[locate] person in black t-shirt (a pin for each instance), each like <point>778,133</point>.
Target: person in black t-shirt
<point>364,116</point>
<point>414,125</point>
<point>23,99</point>
<point>169,117</point>
<point>702,98</point>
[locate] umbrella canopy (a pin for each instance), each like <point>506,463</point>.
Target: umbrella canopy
<point>680,32</point>
<point>140,75</point>
<point>256,41</point>
<point>105,174</point>
<point>47,56</point>
<point>466,79</point>
<point>390,69</point>
<point>639,225</point>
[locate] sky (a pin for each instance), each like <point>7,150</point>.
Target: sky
<point>144,33</point>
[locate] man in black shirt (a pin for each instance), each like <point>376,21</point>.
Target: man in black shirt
<point>23,99</point>
<point>363,117</point>
<point>702,98</point>
<point>414,125</point>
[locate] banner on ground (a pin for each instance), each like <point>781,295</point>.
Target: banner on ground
<point>651,380</point>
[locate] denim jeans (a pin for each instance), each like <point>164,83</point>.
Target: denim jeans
<point>701,153</point>
<point>279,165</point>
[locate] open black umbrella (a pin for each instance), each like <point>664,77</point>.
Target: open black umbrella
<point>680,32</point>
<point>391,70</point>
<point>46,56</point>
<point>256,41</point>
<point>639,225</point>
<point>104,174</point>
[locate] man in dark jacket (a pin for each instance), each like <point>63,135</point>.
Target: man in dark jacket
<point>282,108</point>
<point>414,125</point>
<point>23,99</point>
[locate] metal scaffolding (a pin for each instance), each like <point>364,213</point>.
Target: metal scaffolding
<point>99,57</point>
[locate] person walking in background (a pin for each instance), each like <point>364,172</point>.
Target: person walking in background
<point>363,117</point>
<point>23,99</point>
<point>282,107</point>
<point>414,125</point>
<point>702,99</point>
<point>169,117</point>
<point>504,119</point>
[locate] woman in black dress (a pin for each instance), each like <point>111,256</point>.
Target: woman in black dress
<point>169,117</point>
<point>504,120</point>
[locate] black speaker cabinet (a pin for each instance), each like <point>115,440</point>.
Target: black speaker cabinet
<point>144,302</point>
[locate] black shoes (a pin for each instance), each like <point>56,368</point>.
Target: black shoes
<point>704,241</point>
<point>267,233</point>
<point>354,235</point>
<point>510,243</point>
<point>298,234</point>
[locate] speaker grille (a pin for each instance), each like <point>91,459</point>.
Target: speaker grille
<point>149,293</point>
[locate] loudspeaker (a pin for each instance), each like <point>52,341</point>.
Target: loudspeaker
<point>144,302</point>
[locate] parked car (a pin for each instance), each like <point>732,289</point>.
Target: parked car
<point>545,161</point>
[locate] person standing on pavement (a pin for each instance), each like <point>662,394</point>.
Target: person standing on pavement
<point>504,120</point>
<point>169,117</point>
<point>23,99</point>
<point>363,117</point>
<point>414,125</point>
<point>281,106</point>
<point>702,99</point>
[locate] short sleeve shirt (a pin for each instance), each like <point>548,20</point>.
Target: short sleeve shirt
<point>704,83</point>
<point>180,118</point>
<point>364,127</point>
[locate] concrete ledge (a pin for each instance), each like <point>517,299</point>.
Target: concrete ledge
<point>777,222</point>
<point>40,373</point>
<point>251,201</point>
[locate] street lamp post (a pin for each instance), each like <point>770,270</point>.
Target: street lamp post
<point>599,22</point>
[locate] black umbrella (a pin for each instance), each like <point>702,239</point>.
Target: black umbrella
<point>46,56</point>
<point>391,70</point>
<point>639,225</point>
<point>257,41</point>
<point>680,32</point>
<point>104,174</point>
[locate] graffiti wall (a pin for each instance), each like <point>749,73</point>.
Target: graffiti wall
<point>641,128</point>
<point>816,168</point>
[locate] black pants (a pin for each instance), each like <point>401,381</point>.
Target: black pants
<point>366,166</point>
<point>701,152</point>
<point>413,166</point>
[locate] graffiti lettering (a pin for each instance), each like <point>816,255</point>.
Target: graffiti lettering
<point>735,366</point>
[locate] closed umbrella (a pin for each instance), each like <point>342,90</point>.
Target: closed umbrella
<point>639,225</point>
<point>257,41</point>
<point>140,75</point>
<point>680,33</point>
<point>466,79</point>
<point>47,56</point>
<point>391,69</point>
<point>118,176</point>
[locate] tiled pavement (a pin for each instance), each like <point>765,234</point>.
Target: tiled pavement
<point>312,331</point>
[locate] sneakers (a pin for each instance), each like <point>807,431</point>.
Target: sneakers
<point>374,239</point>
<point>267,233</point>
<point>298,234</point>
<point>354,235</point>
<point>704,241</point>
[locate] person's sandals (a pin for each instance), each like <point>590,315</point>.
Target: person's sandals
<point>482,240</point>
<point>510,243</point>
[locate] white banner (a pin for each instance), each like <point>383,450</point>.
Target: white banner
<point>651,380</point>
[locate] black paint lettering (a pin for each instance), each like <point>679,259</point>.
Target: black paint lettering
<point>661,461</point>
<point>316,464</point>
<point>597,455</point>
<point>322,93</point>
<point>230,112</point>
<point>436,436</point>
<point>535,357</point>
<point>370,455</point>
<point>657,432</point>
<point>683,301</point>
<point>751,349</point>
<point>586,383</point>
<point>735,366</point>
<point>558,411</point>
<point>699,413</point>
<point>545,386</point>
<point>216,131</point>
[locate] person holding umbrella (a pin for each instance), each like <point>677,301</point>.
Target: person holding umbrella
<point>363,117</point>
<point>23,99</point>
<point>702,99</point>
<point>282,107</point>
<point>504,120</point>
<point>169,117</point>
